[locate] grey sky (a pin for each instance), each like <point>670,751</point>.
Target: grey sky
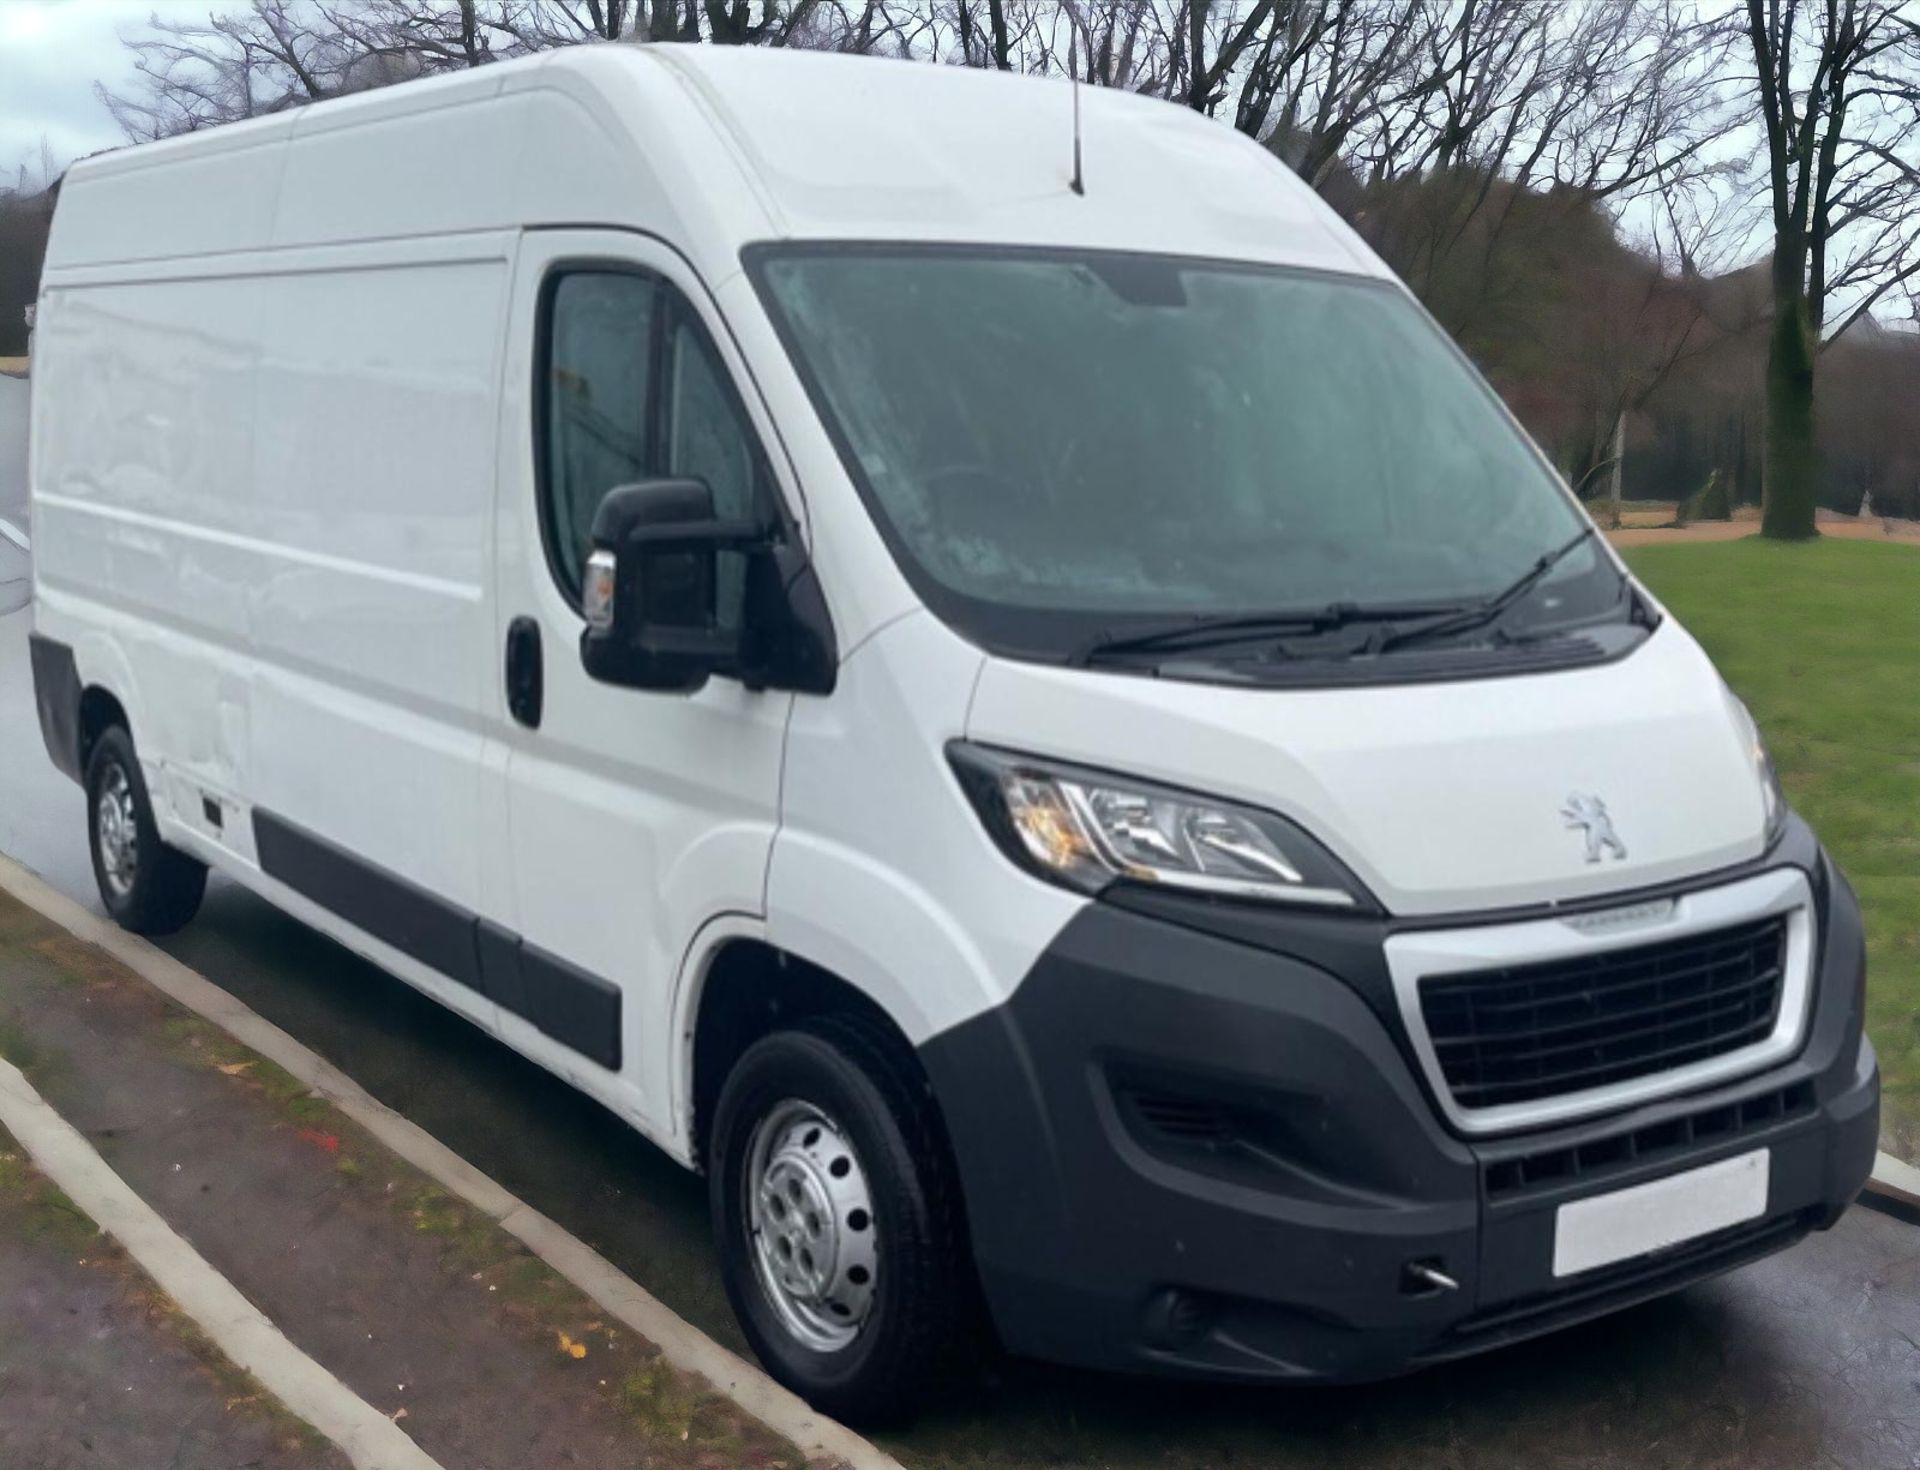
<point>51,53</point>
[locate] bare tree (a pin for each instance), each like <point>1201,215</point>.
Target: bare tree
<point>1321,72</point>
<point>538,25</point>
<point>1486,131</point>
<point>1634,326</point>
<point>194,74</point>
<point>267,55</point>
<point>1210,44</point>
<point>1839,85</point>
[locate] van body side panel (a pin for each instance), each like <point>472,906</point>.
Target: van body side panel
<point>197,194</point>
<point>373,480</point>
<point>414,921</point>
<point>579,1010</point>
<point>396,164</point>
<point>143,501</point>
<point>882,872</point>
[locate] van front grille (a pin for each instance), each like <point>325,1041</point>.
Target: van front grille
<point>1611,1153</point>
<point>1545,1029</point>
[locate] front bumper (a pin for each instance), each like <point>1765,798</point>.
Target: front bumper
<point>1212,1154</point>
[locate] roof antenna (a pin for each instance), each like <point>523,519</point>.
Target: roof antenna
<point>1079,183</point>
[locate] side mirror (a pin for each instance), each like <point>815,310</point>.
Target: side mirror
<point>649,594</point>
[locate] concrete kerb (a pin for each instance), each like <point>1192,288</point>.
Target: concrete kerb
<point>681,1343</point>
<point>1895,1181</point>
<point>239,1329</point>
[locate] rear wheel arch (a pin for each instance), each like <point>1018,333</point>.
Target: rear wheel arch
<point>107,693</point>
<point>100,711</point>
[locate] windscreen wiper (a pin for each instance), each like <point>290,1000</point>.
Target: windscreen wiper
<point>1202,631</point>
<point>1487,609</point>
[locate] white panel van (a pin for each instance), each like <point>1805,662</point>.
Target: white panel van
<point>1057,742</point>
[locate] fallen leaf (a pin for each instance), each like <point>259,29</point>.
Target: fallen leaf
<point>571,1348</point>
<point>234,1069</point>
<point>320,1140</point>
<point>397,1415</point>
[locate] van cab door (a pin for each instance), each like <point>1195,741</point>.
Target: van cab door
<point>625,819</point>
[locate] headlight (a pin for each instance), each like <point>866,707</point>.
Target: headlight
<point>1086,829</point>
<point>1773,799</point>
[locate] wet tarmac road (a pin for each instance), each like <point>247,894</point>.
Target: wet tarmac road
<point>1807,1359</point>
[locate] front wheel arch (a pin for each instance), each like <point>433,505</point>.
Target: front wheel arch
<point>749,989</point>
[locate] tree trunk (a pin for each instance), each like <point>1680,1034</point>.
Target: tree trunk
<point>1613,471</point>
<point>1789,472</point>
<point>663,21</point>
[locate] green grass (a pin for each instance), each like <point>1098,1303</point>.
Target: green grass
<point>1822,640</point>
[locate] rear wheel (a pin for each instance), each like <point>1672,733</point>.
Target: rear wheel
<point>146,886</point>
<point>840,1232</point>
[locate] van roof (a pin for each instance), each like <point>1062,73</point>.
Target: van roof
<point>858,147</point>
<point>763,143</point>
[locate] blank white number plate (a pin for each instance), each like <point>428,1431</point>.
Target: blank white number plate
<point>1662,1212</point>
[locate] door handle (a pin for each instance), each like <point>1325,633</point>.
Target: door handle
<point>526,678</point>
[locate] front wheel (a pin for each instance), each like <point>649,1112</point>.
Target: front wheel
<point>147,886</point>
<point>839,1226</point>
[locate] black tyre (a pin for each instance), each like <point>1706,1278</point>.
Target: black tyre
<point>839,1222</point>
<point>147,886</point>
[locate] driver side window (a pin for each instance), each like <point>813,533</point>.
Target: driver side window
<point>630,389</point>
<point>707,437</point>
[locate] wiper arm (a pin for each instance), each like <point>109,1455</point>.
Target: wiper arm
<point>1487,609</point>
<point>1203,631</point>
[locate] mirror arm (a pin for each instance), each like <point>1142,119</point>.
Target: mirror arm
<point>745,536</point>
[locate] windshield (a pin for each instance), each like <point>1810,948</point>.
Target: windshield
<point>1055,442</point>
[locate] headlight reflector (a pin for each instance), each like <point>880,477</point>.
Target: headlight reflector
<point>1049,828</point>
<point>1086,829</point>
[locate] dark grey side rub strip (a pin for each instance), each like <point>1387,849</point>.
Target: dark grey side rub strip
<point>577,1009</point>
<point>56,693</point>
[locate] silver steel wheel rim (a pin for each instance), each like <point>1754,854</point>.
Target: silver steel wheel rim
<point>118,831</point>
<point>810,1225</point>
